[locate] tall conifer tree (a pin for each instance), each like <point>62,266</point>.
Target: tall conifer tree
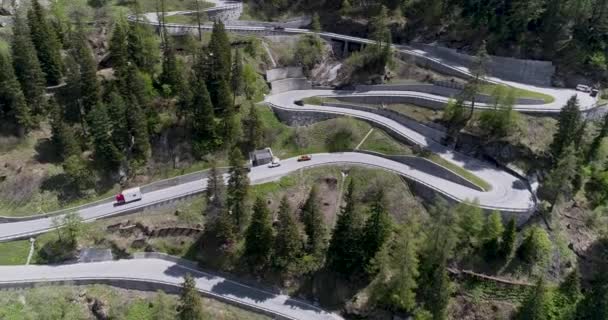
<point>13,106</point>
<point>259,236</point>
<point>46,43</point>
<point>27,67</point>
<point>287,244</point>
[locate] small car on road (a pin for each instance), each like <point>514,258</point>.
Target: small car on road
<point>275,163</point>
<point>304,157</point>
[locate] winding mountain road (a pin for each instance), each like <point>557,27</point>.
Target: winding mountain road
<point>507,193</point>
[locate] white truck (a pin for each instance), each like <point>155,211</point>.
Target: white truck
<point>128,195</point>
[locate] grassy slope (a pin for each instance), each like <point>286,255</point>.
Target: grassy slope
<point>518,92</point>
<point>65,302</point>
<point>14,253</point>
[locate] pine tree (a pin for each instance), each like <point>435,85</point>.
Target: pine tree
<point>238,187</point>
<point>560,182</point>
<point>215,193</point>
<point>314,226</point>
<point>71,93</point>
<point>162,308</point>
<point>568,125</point>
<point>597,140</point>
<point>220,61</point>
<point>478,70</point>
<point>316,23</point>
<point>538,304</point>
<point>136,89</point>
<point>203,119</point>
<point>397,265</point>
<point>345,253</point>
<point>13,107</point>
<point>470,223</point>
<point>568,295</point>
<point>377,227</point>
<point>439,244</point>
<point>106,154</point>
<point>142,47</point>
<point>287,243</point>
<point>46,43</point>
<point>594,305</point>
<point>62,135</point>
<point>254,130</point>
<point>171,74</point>
<point>492,234</point>
<point>437,288</point>
<point>259,236</point>
<point>237,82</point>
<point>89,85</point>
<point>117,111</point>
<point>231,127</point>
<point>536,247</point>
<point>27,67</point>
<point>509,237</point>
<point>191,307</point>
<point>138,128</point>
<point>119,49</point>
<point>78,173</point>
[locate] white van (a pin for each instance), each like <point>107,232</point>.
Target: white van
<point>128,195</point>
<point>583,88</point>
<point>275,163</point>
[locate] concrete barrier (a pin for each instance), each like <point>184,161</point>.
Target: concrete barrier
<point>290,84</point>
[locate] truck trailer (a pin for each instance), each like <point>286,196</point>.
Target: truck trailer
<point>128,195</point>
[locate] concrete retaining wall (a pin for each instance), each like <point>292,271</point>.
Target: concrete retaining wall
<point>427,166</point>
<point>225,14</point>
<point>301,118</point>
<point>284,85</point>
<point>526,71</point>
<point>432,65</point>
<point>284,73</point>
<point>440,91</point>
